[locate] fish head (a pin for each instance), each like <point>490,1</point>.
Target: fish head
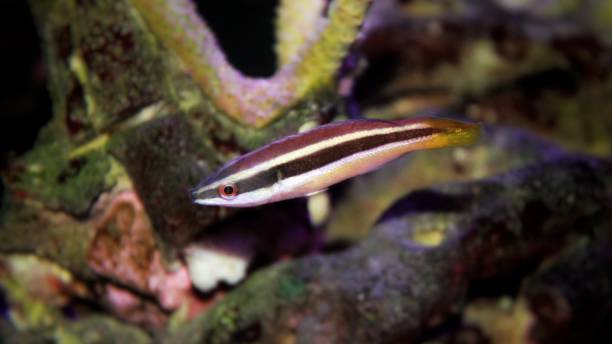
<point>230,188</point>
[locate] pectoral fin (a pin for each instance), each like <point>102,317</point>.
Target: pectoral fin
<point>315,193</point>
<point>319,207</point>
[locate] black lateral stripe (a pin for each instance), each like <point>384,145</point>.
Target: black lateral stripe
<point>326,156</point>
<point>329,155</point>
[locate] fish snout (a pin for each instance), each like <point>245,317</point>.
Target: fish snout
<point>195,194</point>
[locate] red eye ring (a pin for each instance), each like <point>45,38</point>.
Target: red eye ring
<point>228,191</point>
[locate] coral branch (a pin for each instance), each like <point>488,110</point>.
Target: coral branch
<point>295,25</point>
<point>254,101</point>
<point>318,65</point>
<point>395,285</point>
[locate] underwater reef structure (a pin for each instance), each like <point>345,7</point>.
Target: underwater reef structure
<point>398,281</point>
<point>507,241</point>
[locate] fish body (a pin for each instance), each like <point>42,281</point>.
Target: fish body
<point>309,162</point>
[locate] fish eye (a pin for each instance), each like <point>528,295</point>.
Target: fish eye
<point>228,191</point>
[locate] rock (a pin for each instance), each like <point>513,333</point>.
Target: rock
<point>390,287</point>
<point>208,267</point>
<point>566,296</point>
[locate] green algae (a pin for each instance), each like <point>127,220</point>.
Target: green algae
<point>291,289</point>
<point>101,329</point>
<point>232,319</point>
<point>52,235</point>
<point>24,282</point>
<point>108,37</point>
<point>60,182</point>
<point>165,158</point>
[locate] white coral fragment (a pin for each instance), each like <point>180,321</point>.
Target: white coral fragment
<point>208,267</point>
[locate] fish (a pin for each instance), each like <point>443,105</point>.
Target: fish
<point>306,163</point>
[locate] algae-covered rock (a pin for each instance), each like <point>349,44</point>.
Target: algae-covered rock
<point>38,294</point>
<point>392,286</point>
<point>561,302</point>
<point>36,291</point>
<point>565,295</point>
<point>165,158</point>
<point>50,175</point>
<point>100,329</point>
<point>95,329</point>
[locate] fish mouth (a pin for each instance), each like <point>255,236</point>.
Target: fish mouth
<point>194,195</point>
<point>201,202</point>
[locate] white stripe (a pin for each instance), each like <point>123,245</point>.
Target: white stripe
<point>315,147</point>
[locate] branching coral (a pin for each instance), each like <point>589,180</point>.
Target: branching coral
<point>294,23</point>
<point>308,64</point>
